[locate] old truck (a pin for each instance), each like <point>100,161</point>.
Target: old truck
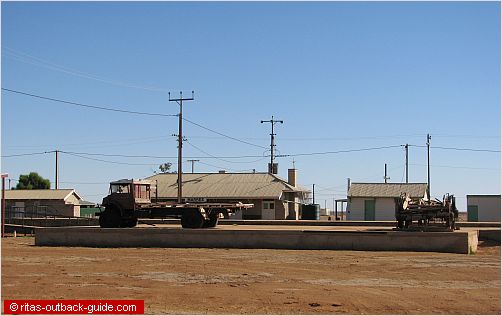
<point>424,214</point>
<point>129,200</point>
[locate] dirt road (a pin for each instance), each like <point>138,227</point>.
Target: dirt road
<point>242,281</point>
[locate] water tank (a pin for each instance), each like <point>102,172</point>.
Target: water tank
<point>310,211</point>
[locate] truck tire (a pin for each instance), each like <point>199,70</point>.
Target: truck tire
<point>192,218</point>
<point>212,221</point>
<point>110,218</point>
<point>129,222</point>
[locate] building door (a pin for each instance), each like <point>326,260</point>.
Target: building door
<point>369,210</point>
<point>268,210</point>
<point>472,213</point>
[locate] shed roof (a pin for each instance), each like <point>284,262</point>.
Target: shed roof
<point>415,190</point>
<point>61,194</point>
<point>224,185</point>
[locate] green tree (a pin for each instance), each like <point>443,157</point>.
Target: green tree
<point>32,181</point>
<point>165,167</point>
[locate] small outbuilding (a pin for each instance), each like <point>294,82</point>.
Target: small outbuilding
<point>376,201</point>
<point>483,208</point>
<point>35,203</point>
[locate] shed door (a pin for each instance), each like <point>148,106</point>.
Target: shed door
<point>268,210</point>
<point>369,210</point>
<point>472,213</point>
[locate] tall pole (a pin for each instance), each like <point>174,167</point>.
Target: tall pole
<point>385,175</point>
<point>180,142</point>
<point>428,167</point>
<point>313,193</point>
<point>57,170</point>
<point>3,203</point>
<point>406,148</point>
<point>335,207</point>
<point>192,161</point>
<point>272,143</point>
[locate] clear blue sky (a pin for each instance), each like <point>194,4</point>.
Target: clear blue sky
<point>342,75</point>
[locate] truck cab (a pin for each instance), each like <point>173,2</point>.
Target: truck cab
<point>124,198</point>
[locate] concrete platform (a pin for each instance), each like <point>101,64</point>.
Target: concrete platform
<point>454,242</point>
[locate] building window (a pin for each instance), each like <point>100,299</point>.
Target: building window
<point>268,205</point>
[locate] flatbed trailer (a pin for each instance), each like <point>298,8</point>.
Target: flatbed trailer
<point>130,200</point>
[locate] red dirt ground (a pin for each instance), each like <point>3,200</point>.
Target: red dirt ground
<point>253,281</point>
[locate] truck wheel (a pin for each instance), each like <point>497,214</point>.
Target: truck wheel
<point>212,221</point>
<point>103,221</point>
<point>110,218</point>
<point>192,218</point>
<point>130,222</point>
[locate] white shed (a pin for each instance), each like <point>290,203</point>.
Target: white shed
<point>376,201</point>
<point>483,208</point>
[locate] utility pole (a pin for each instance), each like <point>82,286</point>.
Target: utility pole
<point>406,148</point>
<point>334,208</point>
<point>180,142</point>
<point>385,176</point>
<point>4,175</point>
<point>272,144</point>
<point>57,170</point>
<point>313,193</point>
<point>193,161</point>
<point>428,167</point>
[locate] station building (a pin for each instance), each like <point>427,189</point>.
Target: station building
<point>272,196</point>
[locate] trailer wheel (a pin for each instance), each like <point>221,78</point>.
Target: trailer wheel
<point>212,221</point>
<point>192,218</point>
<point>450,222</point>
<point>400,224</point>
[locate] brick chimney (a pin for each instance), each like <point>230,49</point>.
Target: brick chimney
<point>292,177</point>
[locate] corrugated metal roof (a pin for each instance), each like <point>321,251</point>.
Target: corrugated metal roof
<point>39,194</point>
<point>416,190</point>
<point>223,185</point>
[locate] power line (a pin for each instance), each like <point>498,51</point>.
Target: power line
<point>219,158</point>
<point>109,161</point>
<point>129,112</point>
<point>457,167</point>
<point>339,151</point>
<point>221,168</point>
<point>109,143</point>
<point>27,154</point>
<point>158,157</point>
<point>29,59</point>
<point>459,149</point>
<point>221,134</point>
<point>87,105</point>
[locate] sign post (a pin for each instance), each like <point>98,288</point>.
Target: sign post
<point>4,175</point>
